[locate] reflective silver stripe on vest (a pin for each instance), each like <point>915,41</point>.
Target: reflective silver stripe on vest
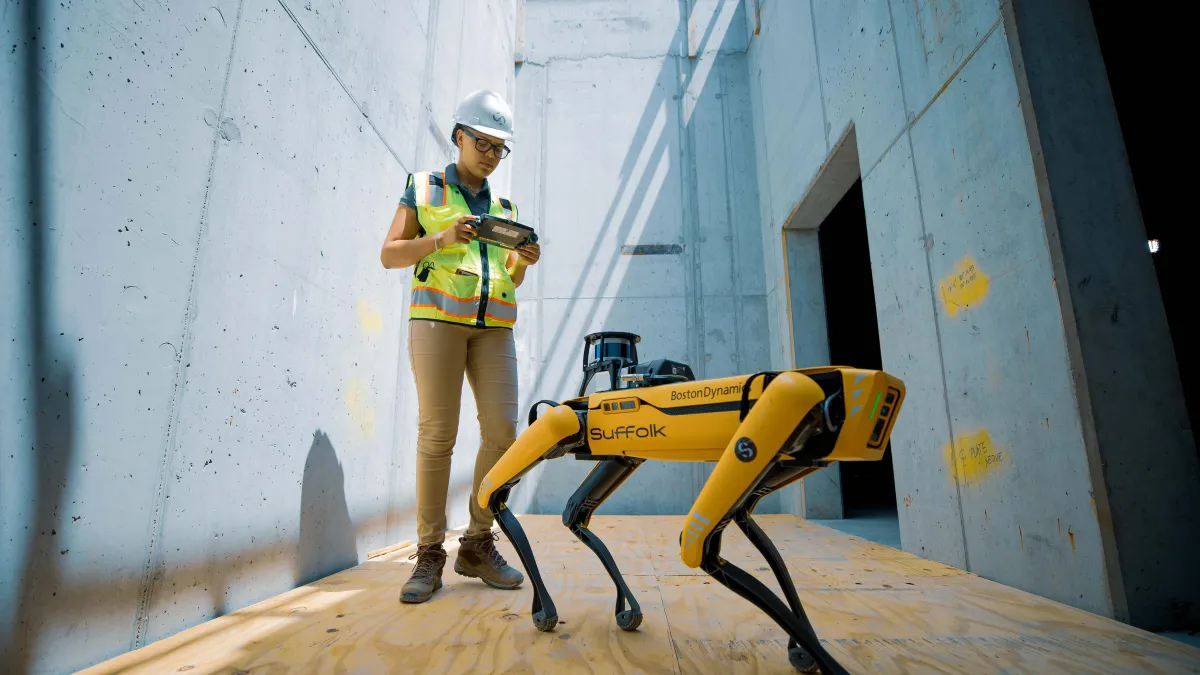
<point>463,309</point>
<point>501,311</point>
<point>430,189</point>
<point>437,196</point>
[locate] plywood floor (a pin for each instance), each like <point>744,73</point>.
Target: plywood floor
<point>877,609</point>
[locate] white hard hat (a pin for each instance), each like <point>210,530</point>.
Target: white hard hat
<point>486,112</point>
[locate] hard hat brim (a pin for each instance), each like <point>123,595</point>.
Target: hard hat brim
<point>491,131</point>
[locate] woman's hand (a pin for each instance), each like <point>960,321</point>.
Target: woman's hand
<point>461,232</point>
<point>529,254</point>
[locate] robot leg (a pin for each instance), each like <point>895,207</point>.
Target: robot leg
<point>537,443</point>
<point>601,482</point>
<point>778,477</point>
<point>784,417</point>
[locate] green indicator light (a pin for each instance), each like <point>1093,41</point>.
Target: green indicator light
<point>876,406</point>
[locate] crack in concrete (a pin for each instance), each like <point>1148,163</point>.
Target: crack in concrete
<point>628,57</point>
<point>153,554</point>
<point>345,88</point>
<point>941,90</point>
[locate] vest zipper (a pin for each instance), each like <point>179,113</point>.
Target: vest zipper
<point>484,291</point>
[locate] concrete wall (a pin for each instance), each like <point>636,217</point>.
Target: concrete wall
<point>205,393</point>
<point>994,460</point>
<point>1122,356</point>
<point>636,131</point>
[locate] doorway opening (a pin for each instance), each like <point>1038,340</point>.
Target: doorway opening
<point>868,488</point>
<point>1130,38</point>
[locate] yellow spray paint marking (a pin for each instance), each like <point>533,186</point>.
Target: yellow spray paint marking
<point>963,288</point>
<point>370,319</point>
<point>358,406</point>
<point>975,457</point>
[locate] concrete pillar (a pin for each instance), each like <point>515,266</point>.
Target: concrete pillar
<point>1140,448</point>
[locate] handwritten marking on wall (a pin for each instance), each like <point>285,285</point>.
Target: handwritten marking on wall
<point>975,457</point>
<point>358,406</point>
<point>370,319</point>
<point>965,287</point>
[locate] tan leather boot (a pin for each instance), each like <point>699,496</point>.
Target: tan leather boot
<point>478,558</point>
<point>426,576</point>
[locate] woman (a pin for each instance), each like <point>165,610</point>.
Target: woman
<point>462,310</point>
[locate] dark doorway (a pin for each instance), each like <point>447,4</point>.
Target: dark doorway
<point>1132,42</point>
<point>868,488</point>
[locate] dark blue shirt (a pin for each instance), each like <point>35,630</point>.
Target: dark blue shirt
<point>479,203</point>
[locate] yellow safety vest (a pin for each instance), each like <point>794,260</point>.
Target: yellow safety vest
<point>462,283</point>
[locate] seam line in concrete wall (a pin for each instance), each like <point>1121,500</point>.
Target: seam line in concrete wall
<point>628,57</point>
<point>945,85</point>
<point>149,580</point>
<point>899,76</point>
<point>462,28</point>
<point>684,69</point>
<point>812,17</point>
<point>541,178</point>
<point>346,89</point>
<point>937,331</point>
<point>731,230</point>
<point>425,116</point>
<point>429,27</point>
<point>538,346</point>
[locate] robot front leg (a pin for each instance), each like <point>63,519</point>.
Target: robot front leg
<point>601,482</point>
<point>552,431</point>
<point>782,419</point>
<point>777,478</point>
<point>545,615</point>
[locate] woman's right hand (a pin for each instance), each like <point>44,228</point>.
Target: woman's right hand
<point>461,232</point>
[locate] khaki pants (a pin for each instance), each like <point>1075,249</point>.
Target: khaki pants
<point>439,354</point>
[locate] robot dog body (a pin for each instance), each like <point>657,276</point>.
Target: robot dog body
<point>763,431</point>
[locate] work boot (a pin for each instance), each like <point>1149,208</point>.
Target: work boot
<point>478,558</point>
<point>426,575</point>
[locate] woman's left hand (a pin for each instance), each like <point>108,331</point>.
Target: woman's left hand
<point>529,253</point>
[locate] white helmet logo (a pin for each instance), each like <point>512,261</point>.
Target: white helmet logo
<point>499,118</point>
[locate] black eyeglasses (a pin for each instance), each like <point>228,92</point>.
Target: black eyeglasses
<point>485,146</point>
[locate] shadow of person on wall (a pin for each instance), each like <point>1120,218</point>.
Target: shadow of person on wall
<point>326,543</point>
<point>36,581</point>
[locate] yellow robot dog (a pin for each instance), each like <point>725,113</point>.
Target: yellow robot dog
<point>764,431</point>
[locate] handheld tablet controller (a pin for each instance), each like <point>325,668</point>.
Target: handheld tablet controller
<point>503,232</point>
